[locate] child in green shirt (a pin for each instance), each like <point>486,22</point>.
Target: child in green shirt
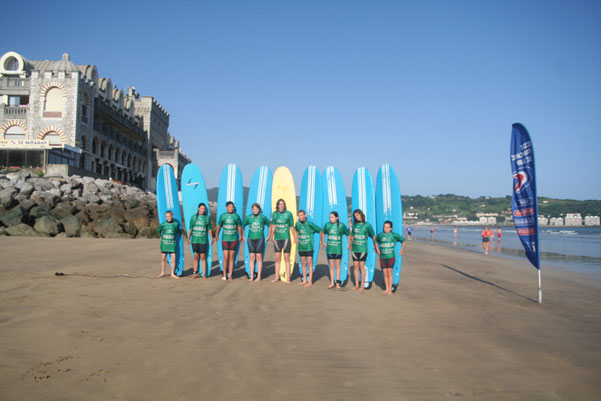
<point>360,232</point>
<point>168,232</point>
<point>334,229</point>
<point>199,233</point>
<point>255,241</point>
<point>305,230</point>
<point>387,240</point>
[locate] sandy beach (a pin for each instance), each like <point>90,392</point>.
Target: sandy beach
<point>461,326</point>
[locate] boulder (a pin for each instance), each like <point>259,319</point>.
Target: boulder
<point>2,230</point>
<point>22,230</point>
<point>96,211</point>
<point>139,217</point>
<point>83,217</point>
<point>130,229</point>
<point>89,198</point>
<point>87,180</point>
<point>7,197</point>
<point>66,188</point>
<point>26,189</point>
<point>39,211</point>
<point>48,225</point>
<point>63,209</point>
<point>56,183</point>
<point>148,232</point>
<point>41,184</point>
<point>129,202</point>
<point>107,227</point>
<point>61,235</point>
<point>13,217</point>
<point>90,188</point>
<point>26,204</point>
<point>71,225</point>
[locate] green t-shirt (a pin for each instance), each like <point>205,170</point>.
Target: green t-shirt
<point>200,224</point>
<point>229,223</point>
<point>305,235</point>
<point>334,232</point>
<point>361,232</point>
<point>283,222</point>
<point>256,223</point>
<point>168,232</point>
<point>387,241</point>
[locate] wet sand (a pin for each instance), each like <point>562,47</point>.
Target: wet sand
<point>461,326</point>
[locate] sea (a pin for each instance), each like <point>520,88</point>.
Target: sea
<point>574,248</point>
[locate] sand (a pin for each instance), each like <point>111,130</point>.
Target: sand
<point>461,326</point>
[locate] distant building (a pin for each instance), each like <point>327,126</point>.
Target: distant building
<point>556,221</point>
<point>484,220</point>
<point>592,221</point>
<point>542,220</point>
<point>492,221</point>
<point>66,119</point>
<point>573,219</point>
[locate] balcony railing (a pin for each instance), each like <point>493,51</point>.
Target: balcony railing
<point>13,83</point>
<point>16,111</point>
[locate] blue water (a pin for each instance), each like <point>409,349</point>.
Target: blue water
<point>576,248</point>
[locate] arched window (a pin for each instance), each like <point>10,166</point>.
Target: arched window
<point>15,132</point>
<point>111,152</point>
<point>103,149</point>
<point>53,138</point>
<point>95,145</point>
<point>84,143</point>
<point>11,64</point>
<point>54,101</point>
<point>85,107</point>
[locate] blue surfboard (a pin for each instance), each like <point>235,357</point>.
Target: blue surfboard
<point>230,190</point>
<point>311,202</point>
<point>364,199</point>
<point>168,199</point>
<point>389,207</point>
<point>259,192</point>
<point>334,199</point>
<point>194,192</point>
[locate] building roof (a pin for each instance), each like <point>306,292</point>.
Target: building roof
<point>63,65</point>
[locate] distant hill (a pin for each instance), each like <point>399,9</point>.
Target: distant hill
<point>437,206</point>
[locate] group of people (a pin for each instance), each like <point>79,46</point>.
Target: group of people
<point>282,231</point>
<point>488,236</point>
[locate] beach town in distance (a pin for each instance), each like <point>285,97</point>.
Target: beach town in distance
<point>333,201</point>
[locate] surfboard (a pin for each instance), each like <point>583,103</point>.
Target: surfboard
<point>230,190</point>
<point>194,192</point>
<point>311,202</point>
<point>259,192</point>
<point>389,207</point>
<point>168,199</point>
<point>364,199</point>
<point>283,188</point>
<point>334,199</point>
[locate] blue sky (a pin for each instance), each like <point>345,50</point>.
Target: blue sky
<point>431,87</point>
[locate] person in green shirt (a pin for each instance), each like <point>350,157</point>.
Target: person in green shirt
<point>334,229</point>
<point>255,241</point>
<point>305,230</point>
<point>232,227</point>
<point>360,232</point>
<point>281,230</point>
<point>387,240</point>
<point>168,232</point>
<point>199,233</point>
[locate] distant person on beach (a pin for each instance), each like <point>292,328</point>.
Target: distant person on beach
<point>305,230</point>
<point>200,228</point>
<point>334,229</point>
<point>281,230</point>
<point>431,233</point>
<point>409,231</point>
<point>455,231</point>
<point>168,231</point>
<point>485,240</point>
<point>232,232</point>
<point>491,233</point>
<point>499,234</point>
<point>360,232</point>
<point>387,240</point>
<point>256,240</point>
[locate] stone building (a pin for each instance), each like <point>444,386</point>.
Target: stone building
<point>65,118</point>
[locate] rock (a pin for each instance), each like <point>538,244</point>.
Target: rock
<point>2,230</point>
<point>130,229</point>
<point>117,214</point>
<point>85,232</point>
<point>66,188</point>
<point>61,235</point>
<point>64,209</point>
<point>7,197</point>
<point>129,202</point>
<point>41,184</point>
<point>90,188</point>
<point>13,217</point>
<point>26,189</point>
<point>72,226</point>
<point>87,180</point>
<point>95,212</point>
<point>107,227</point>
<point>83,217</point>
<point>39,211</point>
<point>148,232</point>
<point>22,230</point>
<point>139,217</point>
<point>48,225</point>
<point>56,183</point>
<point>89,198</point>
<point>26,204</point>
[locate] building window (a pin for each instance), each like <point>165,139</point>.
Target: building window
<point>84,113</point>
<point>11,64</point>
<point>14,133</point>
<point>54,104</point>
<point>53,139</point>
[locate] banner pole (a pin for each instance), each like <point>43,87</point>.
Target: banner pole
<point>540,291</point>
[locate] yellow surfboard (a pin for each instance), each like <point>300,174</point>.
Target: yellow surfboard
<point>283,188</point>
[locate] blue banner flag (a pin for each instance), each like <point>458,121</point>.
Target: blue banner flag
<point>524,202</point>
